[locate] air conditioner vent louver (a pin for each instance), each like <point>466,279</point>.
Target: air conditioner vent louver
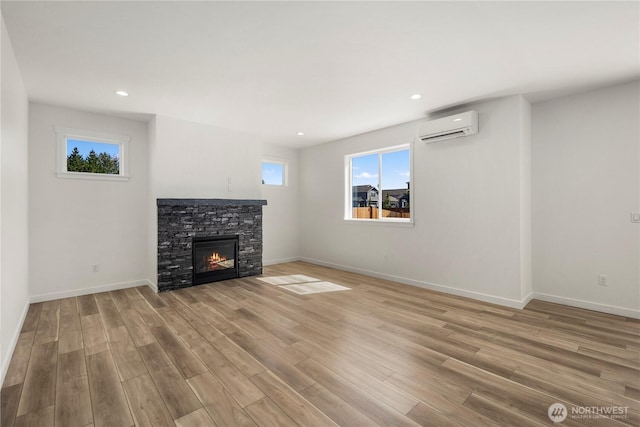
<point>453,134</point>
<point>455,126</point>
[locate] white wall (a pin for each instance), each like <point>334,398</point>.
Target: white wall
<point>280,215</point>
<point>467,198</point>
<point>586,182</point>
<point>77,223</point>
<point>192,160</point>
<point>14,202</point>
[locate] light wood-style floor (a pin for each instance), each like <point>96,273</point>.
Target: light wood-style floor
<point>247,353</point>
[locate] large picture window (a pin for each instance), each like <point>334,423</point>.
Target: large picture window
<point>92,155</point>
<point>379,185</point>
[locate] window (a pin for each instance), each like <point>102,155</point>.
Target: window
<point>379,185</point>
<point>92,155</point>
<point>274,173</point>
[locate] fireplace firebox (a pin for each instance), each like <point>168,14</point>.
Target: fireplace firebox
<point>214,258</point>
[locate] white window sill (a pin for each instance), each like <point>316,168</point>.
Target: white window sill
<point>382,222</point>
<point>92,176</point>
<point>274,187</point>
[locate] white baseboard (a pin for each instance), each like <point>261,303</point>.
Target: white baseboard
<point>153,286</point>
<point>280,261</point>
<point>92,290</point>
<point>519,304</point>
<point>588,305</point>
<point>8,353</point>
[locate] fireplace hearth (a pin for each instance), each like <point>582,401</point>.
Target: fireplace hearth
<point>214,258</point>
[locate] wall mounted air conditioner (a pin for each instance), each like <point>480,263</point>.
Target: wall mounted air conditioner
<point>450,127</point>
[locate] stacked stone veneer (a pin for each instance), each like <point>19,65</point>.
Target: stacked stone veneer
<point>179,220</point>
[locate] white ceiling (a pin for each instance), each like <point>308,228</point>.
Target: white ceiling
<point>328,69</point>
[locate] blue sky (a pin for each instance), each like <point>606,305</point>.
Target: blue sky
<point>395,166</point>
<point>84,147</point>
<point>272,173</point>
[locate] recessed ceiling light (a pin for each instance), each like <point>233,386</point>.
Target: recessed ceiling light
<point>457,120</point>
<point>121,93</point>
<point>416,96</point>
<point>300,133</point>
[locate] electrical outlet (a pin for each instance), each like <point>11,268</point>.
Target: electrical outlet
<point>602,280</point>
<point>635,216</point>
<point>96,268</point>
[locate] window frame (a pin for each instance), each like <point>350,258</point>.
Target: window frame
<point>348,207</point>
<point>285,172</point>
<point>64,133</point>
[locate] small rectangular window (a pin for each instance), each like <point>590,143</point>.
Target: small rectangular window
<point>91,155</point>
<point>379,185</point>
<point>274,173</point>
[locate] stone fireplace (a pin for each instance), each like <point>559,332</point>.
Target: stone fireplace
<point>187,225</point>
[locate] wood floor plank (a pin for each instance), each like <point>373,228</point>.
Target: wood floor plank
<point>87,305</point>
<point>175,392</point>
<point>243,390</point>
<point>267,414</point>
<point>138,330</point>
<point>154,356</point>
<point>146,404</point>
<point>95,338</point>
<point>298,408</point>
<point>272,345</point>
<point>199,418</point>
<point>43,417</point>
<point>70,336</point>
<point>152,298</point>
<point>125,354</point>
<point>632,392</point>
<point>216,319</point>
<point>201,326</point>
<point>133,294</point>
<point>174,320</point>
<point>242,360</point>
<point>182,358</point>
<point>47,330</point>
<point>518,397</point>
<point>148,315</point>
<point>381,413</point>
<point>108,311</point>
<point>73,401</point>
<point>40,381</point>
<point>576,398</point>
<point>428,416</point>
<point>218,402</point>
<point>185,296</point>
<point>400,401</point>
<point>9,401</point>
<point>284,369</point>
<point>109,403</point>
<point>20,359</point>
<point>499,413</point>
<point>31,320</point>
<point>330,355</point>
<point>121,300</point>
<point>335,408</point>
